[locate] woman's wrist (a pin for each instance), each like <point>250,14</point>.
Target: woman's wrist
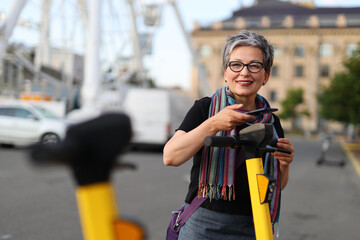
<point>210,127</point>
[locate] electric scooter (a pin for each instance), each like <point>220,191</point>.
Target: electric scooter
<point>255,141</point>
<point>90,149</point>
<point>325,146</point>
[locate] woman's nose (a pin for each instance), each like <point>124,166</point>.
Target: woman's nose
<point>244,71</point>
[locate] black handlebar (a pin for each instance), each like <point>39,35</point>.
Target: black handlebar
<point>249,139</point>
<point>273,148</point>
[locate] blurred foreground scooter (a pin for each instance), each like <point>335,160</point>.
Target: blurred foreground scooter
<point>90,149</point>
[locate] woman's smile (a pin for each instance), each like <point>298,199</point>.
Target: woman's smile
<point>244,83</point>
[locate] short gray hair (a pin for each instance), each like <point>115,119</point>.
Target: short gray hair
<point>246,38</point>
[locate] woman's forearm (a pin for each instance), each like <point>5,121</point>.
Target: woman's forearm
<point>284,175</point>
<point>183,145</point>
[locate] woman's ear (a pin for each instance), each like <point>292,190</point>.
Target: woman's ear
<point>266,79</point>
<point>225,75</point>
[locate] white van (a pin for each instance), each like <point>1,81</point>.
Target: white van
<point>155,113</point>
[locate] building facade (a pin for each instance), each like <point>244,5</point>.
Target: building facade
<point>310,45</point>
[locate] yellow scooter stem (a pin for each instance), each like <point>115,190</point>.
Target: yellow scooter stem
<point>98,211</point>
<point>261,213</point>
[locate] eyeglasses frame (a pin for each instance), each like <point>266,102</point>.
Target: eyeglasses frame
<point>246,65</point>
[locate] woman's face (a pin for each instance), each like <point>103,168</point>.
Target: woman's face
<point>244,84</point>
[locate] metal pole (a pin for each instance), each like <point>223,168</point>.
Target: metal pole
<point>42,51</point>
<point>9,25</point>
<point>196,61</point>
<point>7,29</point>
<point>83,13</point>
<point>42,55</point>
<point>92,62</point>
<point>136,44</point>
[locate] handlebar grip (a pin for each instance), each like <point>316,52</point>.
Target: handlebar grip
<point>283,150</point>
<point>273,144</point>
<point>220,141</point>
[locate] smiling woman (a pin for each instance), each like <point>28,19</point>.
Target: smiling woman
<point>219,174</point>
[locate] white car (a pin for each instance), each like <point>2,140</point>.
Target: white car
<point>22,124</point>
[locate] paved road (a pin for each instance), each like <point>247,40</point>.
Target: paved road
<point>320,202</point>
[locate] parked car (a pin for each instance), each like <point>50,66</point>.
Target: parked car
<point>22,123</point>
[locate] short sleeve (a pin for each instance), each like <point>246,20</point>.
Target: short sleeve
<point>197,114</point>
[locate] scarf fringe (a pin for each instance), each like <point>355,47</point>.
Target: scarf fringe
<point>275,229</point>
<point>223,192</point>
<point>216,192</point>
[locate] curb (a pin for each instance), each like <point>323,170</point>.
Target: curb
<point>348,148</point>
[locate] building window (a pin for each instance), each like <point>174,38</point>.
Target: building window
<point>205,51</point>
<point>326,50</point>
<point>350,49</point>
<point>300,51</point>
<point>275,71</point>
<point>324,71</point>
<point>273,96</point>
<point>277,51</point>
<point>299,71</point>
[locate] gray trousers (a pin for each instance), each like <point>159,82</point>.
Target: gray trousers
<point>207,224</point>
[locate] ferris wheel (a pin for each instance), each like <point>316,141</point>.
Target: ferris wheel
<point>114,37</point>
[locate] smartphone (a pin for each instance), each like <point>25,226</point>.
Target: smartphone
<point>261,111</point>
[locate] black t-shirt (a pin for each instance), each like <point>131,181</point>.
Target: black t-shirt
<point>242,204</point>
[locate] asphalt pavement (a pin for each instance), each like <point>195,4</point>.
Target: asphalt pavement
<point>321,202</point>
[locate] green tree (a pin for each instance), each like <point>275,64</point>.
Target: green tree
<point>290,105</point>
<point>340,101</point>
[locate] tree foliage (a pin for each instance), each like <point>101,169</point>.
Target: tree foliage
<point>294,97</point>
<point>289,106</point>
<point>340,101</point>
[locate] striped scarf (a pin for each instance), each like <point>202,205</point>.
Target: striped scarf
<point>218,164</point>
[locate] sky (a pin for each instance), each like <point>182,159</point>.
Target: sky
<point>170,62</point>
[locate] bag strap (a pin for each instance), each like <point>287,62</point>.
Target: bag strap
<point>190,209</point>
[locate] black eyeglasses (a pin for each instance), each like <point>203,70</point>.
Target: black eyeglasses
<point>253,67</point>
